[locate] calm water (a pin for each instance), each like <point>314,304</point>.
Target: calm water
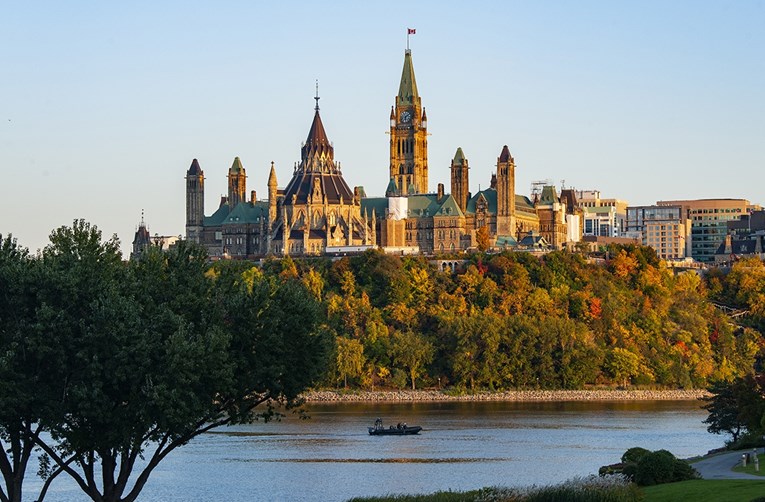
<point>463,446</point>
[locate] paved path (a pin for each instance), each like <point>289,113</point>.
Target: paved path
<point>720,467</point>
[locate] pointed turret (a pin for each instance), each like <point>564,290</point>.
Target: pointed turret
<point>392,190</point>
<point>460,179</point>
<point>236,167</point>
<point>317,142</point>
<point>459,157</point>
<point>237,184</point>
<point>505,155</point>
<point>194,169</point>
<point>505,184</point>
<point>407,89</point>
<point>195,201</point>
<point>272,194</point>
<point>317,170</point>
<point>272,176</point>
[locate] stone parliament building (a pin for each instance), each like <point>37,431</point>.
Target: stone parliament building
<point>317,213</point>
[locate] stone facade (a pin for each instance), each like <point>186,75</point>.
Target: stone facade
<point>317,213</point>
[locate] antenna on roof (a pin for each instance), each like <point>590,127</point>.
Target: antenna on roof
<point>317,95</point>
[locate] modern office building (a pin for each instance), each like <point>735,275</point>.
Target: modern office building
<point>602,217</point>
<point>664,228</point>
<point>709,222</point>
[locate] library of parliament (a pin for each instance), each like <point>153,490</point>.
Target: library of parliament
<point>317,213</point>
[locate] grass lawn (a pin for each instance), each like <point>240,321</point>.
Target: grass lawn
<point>706,490</point>
<point>749,469</point>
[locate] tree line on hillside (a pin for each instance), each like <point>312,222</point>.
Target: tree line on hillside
<point>517,321</point>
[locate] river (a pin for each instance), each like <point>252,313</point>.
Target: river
<point>464,445</point>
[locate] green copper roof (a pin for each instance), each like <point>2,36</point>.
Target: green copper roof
<point>237,167</point>
<point>449,207</point>
<point>392,188</point>
<point>377,204</point>
<point>490,195</point>
<point>217,217</point>
<point>247,212</point>
<point>407,90</point>
<point>522,203</point>
<point>549,196</point>
<point>459,157</point>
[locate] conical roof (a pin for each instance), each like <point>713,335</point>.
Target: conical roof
<point>392,189</point>
<point>317,171</point>
<point>317,141</point>
<point>237,166</point>
<point>194,169</point>
<point>272,176</point>
<point>505,155</point>
<point>407,89</point>
<point>459,157</point>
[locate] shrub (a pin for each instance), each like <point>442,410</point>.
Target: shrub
<point>661,466</point>
<point>655,468</point>
<point>634,454</point>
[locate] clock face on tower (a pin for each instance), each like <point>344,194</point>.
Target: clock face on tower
<point>406,117</point>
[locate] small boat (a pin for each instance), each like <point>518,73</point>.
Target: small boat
<point>398,430</point>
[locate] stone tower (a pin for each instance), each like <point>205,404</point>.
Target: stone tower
<point>460,182</point>
<point>237,184</point>
<point>505,193</point>
<point>195,201</point>
<point>409,135</point>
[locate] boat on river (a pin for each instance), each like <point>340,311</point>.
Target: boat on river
<point>398,430</point>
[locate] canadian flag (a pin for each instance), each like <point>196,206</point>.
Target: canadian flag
<point>411,31</point>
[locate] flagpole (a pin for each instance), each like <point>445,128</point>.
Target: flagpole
<point>407,39</point>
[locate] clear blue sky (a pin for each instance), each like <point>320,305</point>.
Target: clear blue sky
<point>105,104</point>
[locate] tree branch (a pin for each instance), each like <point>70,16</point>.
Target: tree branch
<point>49,480</point>
<point>64,464</point>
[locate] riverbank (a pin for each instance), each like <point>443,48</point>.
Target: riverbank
<point>332,396</point>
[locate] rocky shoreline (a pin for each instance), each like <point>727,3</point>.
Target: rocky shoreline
<point>333,396</point>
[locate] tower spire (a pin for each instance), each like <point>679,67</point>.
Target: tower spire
<point>317,95</point>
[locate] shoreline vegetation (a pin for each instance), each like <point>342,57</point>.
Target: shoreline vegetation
<point>393,396</point>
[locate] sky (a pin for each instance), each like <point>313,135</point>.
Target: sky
<point>105,104</point>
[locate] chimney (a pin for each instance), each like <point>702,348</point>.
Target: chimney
<point>440,192</point>
<point>728,245</point>
<point>253,197</point>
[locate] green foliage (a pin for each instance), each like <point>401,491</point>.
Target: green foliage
<point>658,467</point>
<point>648,468</point>
<point>119,360</point>
<point>512,320</point>
<point>735,407</point>
<point>634,454</point>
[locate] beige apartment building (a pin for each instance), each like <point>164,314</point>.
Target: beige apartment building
<point>666,229</point>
